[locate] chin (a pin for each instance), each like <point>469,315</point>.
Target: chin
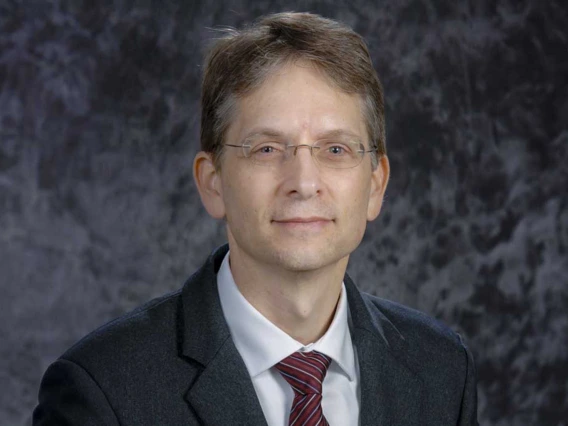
<point>305,259</point>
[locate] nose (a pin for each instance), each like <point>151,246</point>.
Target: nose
<point>302,175</point>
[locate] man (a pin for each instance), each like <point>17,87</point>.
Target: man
<point>270,330</point>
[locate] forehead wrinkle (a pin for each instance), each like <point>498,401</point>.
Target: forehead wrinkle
<point>264,131</point>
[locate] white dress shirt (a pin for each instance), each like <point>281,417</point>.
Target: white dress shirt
<point>262,345</point>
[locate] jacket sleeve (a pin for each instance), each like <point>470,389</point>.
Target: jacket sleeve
<point>69,396</point>
<point>468,411</point>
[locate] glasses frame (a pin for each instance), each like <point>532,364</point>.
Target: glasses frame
<point>246,153</point>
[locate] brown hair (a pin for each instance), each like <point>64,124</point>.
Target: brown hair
<point>240,61</point>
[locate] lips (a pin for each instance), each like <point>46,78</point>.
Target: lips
<point>312,219</point>
<point>304,225</point>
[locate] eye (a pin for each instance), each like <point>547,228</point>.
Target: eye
<point>267,148</point>
<point>336,150</point>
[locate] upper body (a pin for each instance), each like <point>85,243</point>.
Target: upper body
<point>294,161</point>
<point>173,362</point>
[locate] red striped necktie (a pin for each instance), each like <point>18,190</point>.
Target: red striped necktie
<point>305,371</point>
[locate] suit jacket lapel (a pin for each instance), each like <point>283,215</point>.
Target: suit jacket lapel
<point>391,394</point>
<point>223,393</point>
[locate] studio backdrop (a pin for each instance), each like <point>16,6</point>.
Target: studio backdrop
<point>99,123</point>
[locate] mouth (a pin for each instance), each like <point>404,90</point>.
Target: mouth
<point>312,219</point>
<point>313,223</point>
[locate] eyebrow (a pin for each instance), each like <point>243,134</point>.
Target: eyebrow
<point>335,133</point>
<point>265,131</point>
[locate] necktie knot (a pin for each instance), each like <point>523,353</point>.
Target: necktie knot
<point>305,371</point>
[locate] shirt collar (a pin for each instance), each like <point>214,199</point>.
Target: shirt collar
<point>261,344</point>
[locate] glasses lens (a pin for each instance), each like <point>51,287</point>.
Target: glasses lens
<point>265,152</point>
<point>339,154</point>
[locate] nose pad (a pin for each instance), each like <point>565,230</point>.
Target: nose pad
<point>295,152</point>
<point>296,147</point>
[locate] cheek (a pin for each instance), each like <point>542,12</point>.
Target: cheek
<point>245,198</point>
<point>359,206</point>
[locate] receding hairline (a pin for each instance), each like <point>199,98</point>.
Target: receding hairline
<point>339,54</point>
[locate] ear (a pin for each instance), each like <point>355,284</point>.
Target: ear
<point>208,182</point>
<point>379,180</point>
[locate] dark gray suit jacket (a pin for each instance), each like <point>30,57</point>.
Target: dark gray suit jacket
<point>173,362</point>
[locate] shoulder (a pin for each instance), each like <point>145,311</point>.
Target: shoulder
<point>148,332</point>
<point>427,345</point>
<point>411,323</point>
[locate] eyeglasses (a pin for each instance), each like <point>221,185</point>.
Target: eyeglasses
<point>335,154</point>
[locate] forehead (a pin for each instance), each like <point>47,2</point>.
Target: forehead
<point>297,100</point>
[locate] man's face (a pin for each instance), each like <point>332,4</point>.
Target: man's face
<point>300,216</point>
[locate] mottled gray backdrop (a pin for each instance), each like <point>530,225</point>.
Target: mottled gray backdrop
<point>99,123</point>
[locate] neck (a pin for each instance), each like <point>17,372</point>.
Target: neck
<point>301,303</point>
